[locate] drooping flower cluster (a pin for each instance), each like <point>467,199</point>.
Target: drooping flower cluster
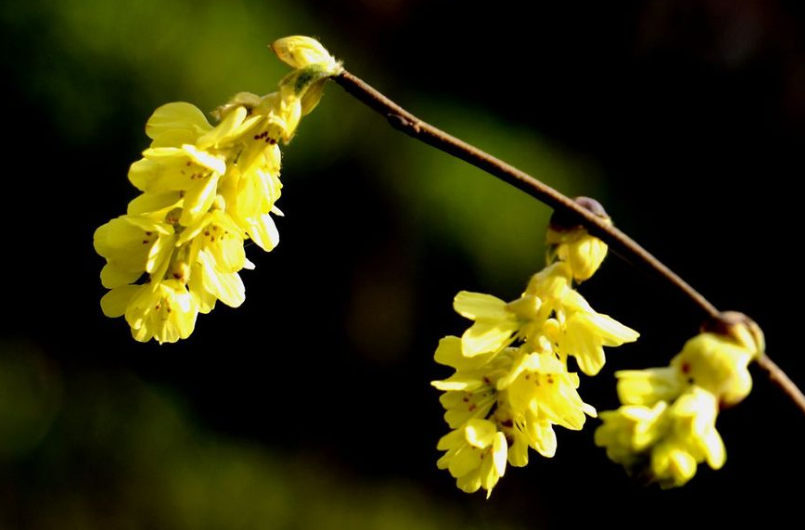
<point>204,191</point>
<point>511,383</point>
<point>666,426</point>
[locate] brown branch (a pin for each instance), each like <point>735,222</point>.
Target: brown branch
<point>778,377</point>
<point>620,243</point>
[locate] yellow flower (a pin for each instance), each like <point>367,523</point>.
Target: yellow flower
<point>526,430</point>
<point>691,439</point>
<point>713,361</point>
<point>215,254</point>
<point>164,311</point>
<point>629,432</point>
<point>250,197</point>
<point>205,190</point>
<point>663,443</point>
<point>717,364</point>
<point>497,323</point>
<point>133,245</point>
<point>586,332</point>
<point>523,394</point>
<point>550,308</point>
<point>666,426</point>
<point>475,455</point>
<point>470,392</point>
<point>540,383</point>
<point>537,393</point>
<point>200,266</point>
<point>192,172</point>
<point>494,325</point>
<point>511,366</point>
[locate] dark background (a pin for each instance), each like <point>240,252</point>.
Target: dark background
<point>310,406</point>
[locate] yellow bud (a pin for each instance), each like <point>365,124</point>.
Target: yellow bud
<point>739,328</point>
<point>583,252</point>
<point>716,364</point>
<point>300,52</point>
<point>568,241</point>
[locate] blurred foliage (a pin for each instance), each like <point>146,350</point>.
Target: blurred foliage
<point>92,57</point>
<point>30,396</point>
<point>500,228</point>
<point>122,454</point>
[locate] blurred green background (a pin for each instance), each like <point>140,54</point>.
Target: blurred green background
<point>310,407</point>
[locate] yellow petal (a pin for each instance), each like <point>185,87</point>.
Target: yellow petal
<point>175,124</point>
<point>582,343</point>
<point>500,450</point>
<point>450,440</point>
<point>464,462</point>
<point>457,383</point>
<point>312,97</point>
<point>485,337</point>
<point>715,452</point>
<point>479,306</point>
<point>521,362</point>
<point>115,302</point>
<point>143,172</point>
<point>448,352</point>
<point>227,287</point>
<point>226,131</point>
<point>647,387</point>
<point>263,231</point>
<point>480,433</point>
<point>518,452</point>
<point>154,202</point>
<point>198,200</point>
<point>469,483</point>
<point>612,332</point>
<point>543,438</point>
<point>112,275</point>
<point>205,159</point>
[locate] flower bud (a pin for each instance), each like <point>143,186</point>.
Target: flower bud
<point>717,364</point>
<point>741,329</point>
<point>300,52</point>
<point>570,242</point>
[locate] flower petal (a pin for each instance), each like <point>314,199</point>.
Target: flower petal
<point>477,306</point>
<point>115,302</point>
<point>485,337</point>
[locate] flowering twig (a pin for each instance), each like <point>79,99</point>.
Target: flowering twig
<point>621,244</point>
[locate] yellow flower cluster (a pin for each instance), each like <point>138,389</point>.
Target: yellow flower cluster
<point>205,190</point>
<point>666,426</point>
<point>511,383</point>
